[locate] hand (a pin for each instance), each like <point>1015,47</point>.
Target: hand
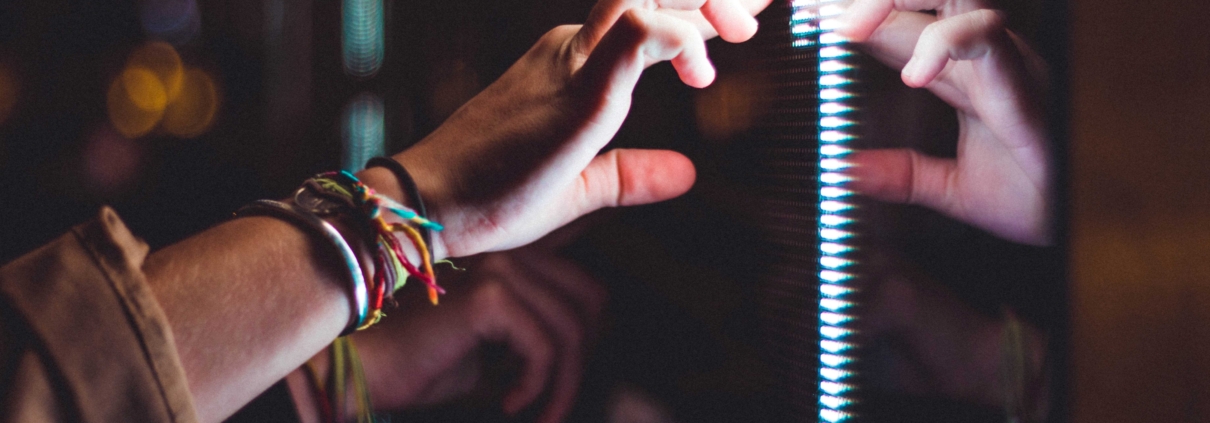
<point>545,309</point>
<point>520,159</point>
<point>1001,180</point>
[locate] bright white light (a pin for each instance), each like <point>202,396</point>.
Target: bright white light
<point>833,66</point>
<point>834,374</point>
<point>832,332</point>
<point>834,291</point>
<point>833,360</point>
<point>834,192</point>
<point>834,346</point>
<point>833,262</point>
<point>833,276</point>
<point>833,402</point>
<point>833,206</point>
<point>834,304</point>
<point>833,94</point>
<point>834,220</point>
<point>834,136</point>
<point>834,318</point>
<point>834,248</point>
<point>834,178</point>
<point>833,150</point>
<point>832,416</point>
<point>804,28</point>
<point>834,108</point>
<point>834,388</point>
<point>834,122</point>
<point>832,38</point>
<point>832,80</point>
<point>831,52</point>
<point>834,234</point>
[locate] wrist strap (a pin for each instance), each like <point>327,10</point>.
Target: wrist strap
<point>359,303</point>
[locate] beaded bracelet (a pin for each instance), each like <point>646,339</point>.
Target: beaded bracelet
<point>358,300</point>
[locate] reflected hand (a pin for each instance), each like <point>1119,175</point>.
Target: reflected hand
<point>521,158</point>
<point>543,308</point>
<point>1001,180</point>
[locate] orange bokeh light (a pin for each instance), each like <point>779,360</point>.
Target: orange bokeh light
<point>136,101</point>
<point>162,60</point>
<point>156,89</point>
<point>193,110</point>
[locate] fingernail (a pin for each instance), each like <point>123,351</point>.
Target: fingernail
<point>910,69</point>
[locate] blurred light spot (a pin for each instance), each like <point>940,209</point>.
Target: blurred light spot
<point>136,102</point>
<point>364,131</point>
<point>162,60</point>
<point>9,90</point>
<point>176,21</point>
<point>728,107</point>
<point>111,162</point>
<point>363,42</point>
<point>193,111</point>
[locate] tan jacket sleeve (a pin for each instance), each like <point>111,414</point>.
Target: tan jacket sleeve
<point>82,338</point>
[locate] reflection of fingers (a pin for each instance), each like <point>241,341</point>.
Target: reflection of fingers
<point>969,36</point>
<point>607,12</point>
<point>504,318</point>
<point>561,319</point>
<point>905,176</point>
<point>730,19</point>
<point>569,279</point>
<point>641,38</point>
<point>862,17</point>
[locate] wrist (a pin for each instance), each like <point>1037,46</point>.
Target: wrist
<point>385,183</point>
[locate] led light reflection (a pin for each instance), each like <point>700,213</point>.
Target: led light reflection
<point>834,402</point>
<point>363,38</point>
<point>834,304</point>
<point>834,291</point>
<point>832,332</point>
<point>834,318</point>
<point>834,178</point>
<point>834,220</point>
<point>834,192</point>
<point>364,131</point>
<point>834,374</point>
<point>834,388</point>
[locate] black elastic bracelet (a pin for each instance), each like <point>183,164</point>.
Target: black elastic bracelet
<point>409,188</point>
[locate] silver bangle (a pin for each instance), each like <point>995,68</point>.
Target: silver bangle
<point>359,301</point>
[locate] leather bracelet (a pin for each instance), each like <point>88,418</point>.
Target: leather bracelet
<point>409,187</point>
<point>358,300</point>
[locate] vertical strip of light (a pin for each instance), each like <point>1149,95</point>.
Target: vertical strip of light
<point>363,38</point>
<point>812,25</point>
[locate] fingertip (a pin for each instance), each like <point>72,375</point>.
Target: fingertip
<point>700,77</point>
<point>743,30</point>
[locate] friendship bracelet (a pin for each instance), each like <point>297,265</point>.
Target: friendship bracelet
<point>359,302</point>
<point>409,188</point>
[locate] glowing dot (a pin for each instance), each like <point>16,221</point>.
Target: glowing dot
<point>164,62</point>
<point>194,109</point>
<point>833,360</point>
<point>833,291</point>
<point>834,304</point>
<point>136,101</point>
<point>834,374</point>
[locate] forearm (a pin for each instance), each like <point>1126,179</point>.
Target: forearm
<point>248,301</point>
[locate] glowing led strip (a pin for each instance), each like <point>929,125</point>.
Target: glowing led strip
<point>812,24</point>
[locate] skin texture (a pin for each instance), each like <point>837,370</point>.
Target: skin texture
<point>1002,178</point>
<point>251,300</point>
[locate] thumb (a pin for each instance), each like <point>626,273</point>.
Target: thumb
<point>627,177</point>
<point>905,176</point>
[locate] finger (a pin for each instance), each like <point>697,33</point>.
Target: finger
<point>501,317</point>
<point>641,38</point>
<point>863,17</point>
<point>905,176</point>
<point>607,12</point>
<point>557,315</point>
<point>626,177</point>
<point>730,19</point>
<point>708,28</point>
<point>969,36</point>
